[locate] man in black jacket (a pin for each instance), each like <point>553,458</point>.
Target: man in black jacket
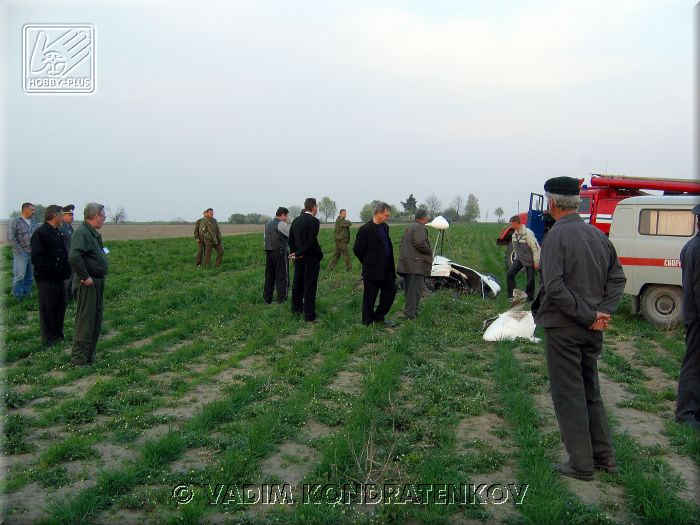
<point>376,253</point>
<point>307,255</point>
<point>50,261</point>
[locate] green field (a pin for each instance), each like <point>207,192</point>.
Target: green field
<point>201,389</point>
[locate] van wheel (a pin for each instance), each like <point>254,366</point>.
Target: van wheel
<point>510,256</point>
<point>662,305</point>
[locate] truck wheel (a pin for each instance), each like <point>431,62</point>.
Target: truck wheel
<point>510,256</point>
<point>662,305</point>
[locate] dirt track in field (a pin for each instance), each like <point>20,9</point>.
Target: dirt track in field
<point>126,232</point>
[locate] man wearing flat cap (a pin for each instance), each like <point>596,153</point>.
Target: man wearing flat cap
<point>66,230</point>
<point>688,399</point>
<point>582,282</point>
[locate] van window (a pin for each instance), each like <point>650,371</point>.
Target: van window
<point>676,223</point>
<point>585,205</point>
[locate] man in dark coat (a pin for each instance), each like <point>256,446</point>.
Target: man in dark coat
<point>307,255</point>
<point>688,399</point>
<point>50,261</point>
<point>582,282</point>
<point>415,261</point>
<point>376,253</point>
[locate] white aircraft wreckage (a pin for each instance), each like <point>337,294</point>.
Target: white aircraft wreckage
<point>448,274</point>
<point>512,324</point>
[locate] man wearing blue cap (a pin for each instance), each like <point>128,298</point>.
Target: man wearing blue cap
<point>582,282</point>
<point>688,400</point>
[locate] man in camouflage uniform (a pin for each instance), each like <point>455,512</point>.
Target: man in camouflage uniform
<point>211,237</point>
<point>342,239</point>
<point>200,245</point>
<point>88,258</point>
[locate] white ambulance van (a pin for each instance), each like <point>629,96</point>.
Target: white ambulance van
<point>648,233</point>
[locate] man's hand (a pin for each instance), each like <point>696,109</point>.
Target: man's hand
<point>86,282</point>
<point>537,266</point>
<point>601,322</point>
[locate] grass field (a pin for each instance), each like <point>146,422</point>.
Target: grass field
<point>200,389</point>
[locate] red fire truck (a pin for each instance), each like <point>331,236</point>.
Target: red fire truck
<point>598,202</point>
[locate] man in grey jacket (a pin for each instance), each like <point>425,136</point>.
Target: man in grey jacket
<point>415,261</point>
<point>582,282</point>
<point>527,255</point>
<point>276,241</point>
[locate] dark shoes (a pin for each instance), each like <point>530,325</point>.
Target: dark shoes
<point>610,468</point>
<point>567,470</point>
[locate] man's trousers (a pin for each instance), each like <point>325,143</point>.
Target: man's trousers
<point>387,288</point>
<point>276,275</point>
<point>572,355</point>
<point>413,289</point>
<point>52,310</point>
<point>88,320</point>
<point>341,249</point>
<point>510,279</point>
<point>304,287</point>
<point>207,254</point>
<point>688,400</point>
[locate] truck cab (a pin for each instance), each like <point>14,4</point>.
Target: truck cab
<point>648,233</point>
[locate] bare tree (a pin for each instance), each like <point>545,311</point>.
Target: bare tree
<point>458,204</point>
<point>434,204</point>
<point>117,216</point>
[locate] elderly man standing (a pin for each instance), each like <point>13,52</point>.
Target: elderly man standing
<point>88,258</point>
<point>50,260</point>
<point>210,235</point>
<point>19,235</point>
<point>415,261</point>
<point>375,251</point>
<point>527,255</point>
<point>342,239</point>
<point>688,399</point>
<point>582,282</point>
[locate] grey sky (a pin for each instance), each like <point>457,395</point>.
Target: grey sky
<point>244,106</point>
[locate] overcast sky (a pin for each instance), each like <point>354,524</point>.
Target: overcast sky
<point>247,105</point>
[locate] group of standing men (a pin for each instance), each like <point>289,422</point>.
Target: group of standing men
<point>65,264</point>
<point>373,247</point>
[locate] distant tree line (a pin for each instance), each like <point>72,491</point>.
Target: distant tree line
<point>327,210</point>
<point>460,209</point>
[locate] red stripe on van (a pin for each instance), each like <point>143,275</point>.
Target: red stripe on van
<point>647,261</point>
